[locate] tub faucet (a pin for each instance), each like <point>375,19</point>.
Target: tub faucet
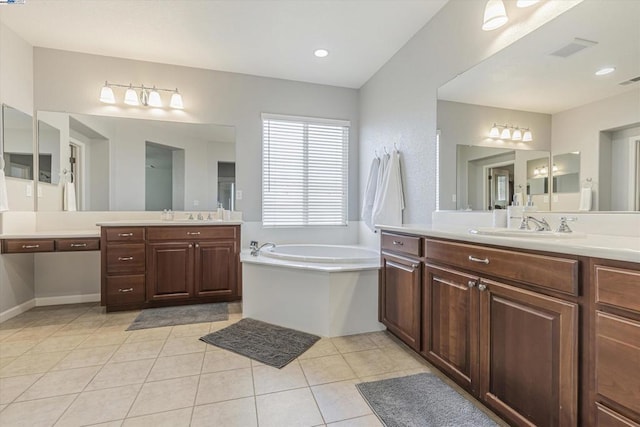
<point>255,249</point>
<point>541,224</point>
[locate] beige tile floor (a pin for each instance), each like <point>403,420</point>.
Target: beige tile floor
<point>76,365</point>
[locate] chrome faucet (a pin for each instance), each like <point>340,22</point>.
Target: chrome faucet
<point>564,227</point>
<point>541,224</point>
<point>255,249</point>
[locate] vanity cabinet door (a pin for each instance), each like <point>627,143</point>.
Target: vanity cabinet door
<point>169,270</point>
<point>400,298</point>
<point>528,355</point>
<point>450,323</point>
<point>216,267</point>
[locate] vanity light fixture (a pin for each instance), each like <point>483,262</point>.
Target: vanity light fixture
<point>495,15</point>
<point>526,3</point>
<point>146,97</point>
<point>527,136</point>
<point>495,132</point>
<point>505,132</point>
<point>517,135</point>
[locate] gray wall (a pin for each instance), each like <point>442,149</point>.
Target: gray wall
<point>68,81</point>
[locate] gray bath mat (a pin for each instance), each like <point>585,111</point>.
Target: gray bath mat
<point>270,344</point>
<point>421,400</point>
<point>180,315</point>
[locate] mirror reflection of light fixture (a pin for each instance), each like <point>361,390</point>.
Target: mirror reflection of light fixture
<point>495,15</point>
<point>544,170</point>
<point>106,94</point>
<point>536,171</point>
<point>554,168</point>
<point>147,97</point>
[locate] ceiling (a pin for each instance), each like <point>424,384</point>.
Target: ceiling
<point>271,38</point>
<point>524,76</point>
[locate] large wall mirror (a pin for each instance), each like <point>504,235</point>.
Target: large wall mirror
<point>99,163</point>
<point>17,137</point>
<point>546,82</point>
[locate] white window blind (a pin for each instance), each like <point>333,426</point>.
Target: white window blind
<point>304,171</point>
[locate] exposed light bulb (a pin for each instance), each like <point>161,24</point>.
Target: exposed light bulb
<point>495,15</point>
<point>527,137</point>
<point>154,98</point>
<point>106,94</point>
<point>176,101</point>
<point>495,132</point>
<point>506,134</point>
<point>131,97</point>
<point>517,135</point>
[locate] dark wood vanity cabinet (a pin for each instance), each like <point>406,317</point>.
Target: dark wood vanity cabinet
<point>399,289</point>
<point>616,337</point>
<point>177,264</point>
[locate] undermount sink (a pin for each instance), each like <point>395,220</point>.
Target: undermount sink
<point>514,232</point>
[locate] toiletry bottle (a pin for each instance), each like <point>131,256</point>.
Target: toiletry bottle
<point>220,211</point>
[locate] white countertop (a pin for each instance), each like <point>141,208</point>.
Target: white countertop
<point>53,234</point>
<point>162,223</point>
<point>621,248</point>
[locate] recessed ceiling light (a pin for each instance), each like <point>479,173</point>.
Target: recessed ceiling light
<point>321,53</point>
<point>604,71</point>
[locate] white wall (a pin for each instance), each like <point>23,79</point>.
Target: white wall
<point>68,81</point>
<point>16,89</point>
<point>579,129</point>
<point>398,104</point>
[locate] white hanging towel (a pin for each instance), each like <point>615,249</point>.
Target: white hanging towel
<point>389,205</point>
<point>370,193</point>
<point>69,197</point>
<point>382,170</point>
<point>585,199</point>
<point>4,201</point>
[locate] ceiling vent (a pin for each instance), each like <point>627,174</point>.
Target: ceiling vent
<point>574,47</point>
<point>630,81</point>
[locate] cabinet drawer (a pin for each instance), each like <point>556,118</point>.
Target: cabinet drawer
<point>618,287</point>
<point>409,245</point>
<point>125,290</point>
<point>16,246</point>
<point>125,234</point>
<point>608,418</point>
<point>127,258</point>
<point>617,356</point>
<point>191,232</point>
<point>89,244</point>
<point>559,274</point>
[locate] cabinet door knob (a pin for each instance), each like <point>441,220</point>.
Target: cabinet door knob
<point>471,283</point>
<point>78,245</point>
<point>480,260</point>
<point>30,246</point>
<point>482,287</point>
<point>193,233</point>
<point>125,258</point>
<point>125,234</point>
<point>126,290</point>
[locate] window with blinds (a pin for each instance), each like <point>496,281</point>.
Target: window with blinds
<point>304,171</point>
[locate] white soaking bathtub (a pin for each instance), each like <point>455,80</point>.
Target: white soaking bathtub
<point>327,290</point>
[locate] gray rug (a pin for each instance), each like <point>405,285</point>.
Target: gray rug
<point>421,400</point>
<point>180,315</point>
<point>270,344</point>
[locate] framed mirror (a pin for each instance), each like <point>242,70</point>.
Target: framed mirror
<point>112,163</point>
<point>552,72</point>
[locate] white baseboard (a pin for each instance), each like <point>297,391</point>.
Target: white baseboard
<point>18,309</point>
<point>67,299</point>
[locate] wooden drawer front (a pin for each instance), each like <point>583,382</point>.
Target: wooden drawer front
<point>608,418</point>
<point>618,287</point>
<point>618,360</point>
<point>128,258</point>
<point>125,290</point>
<point>90,244</point>
<point>191,233</point>
<point>16,246</point>
<point>398,243</point>
<point>559,274</point>
<point>125,234</point>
